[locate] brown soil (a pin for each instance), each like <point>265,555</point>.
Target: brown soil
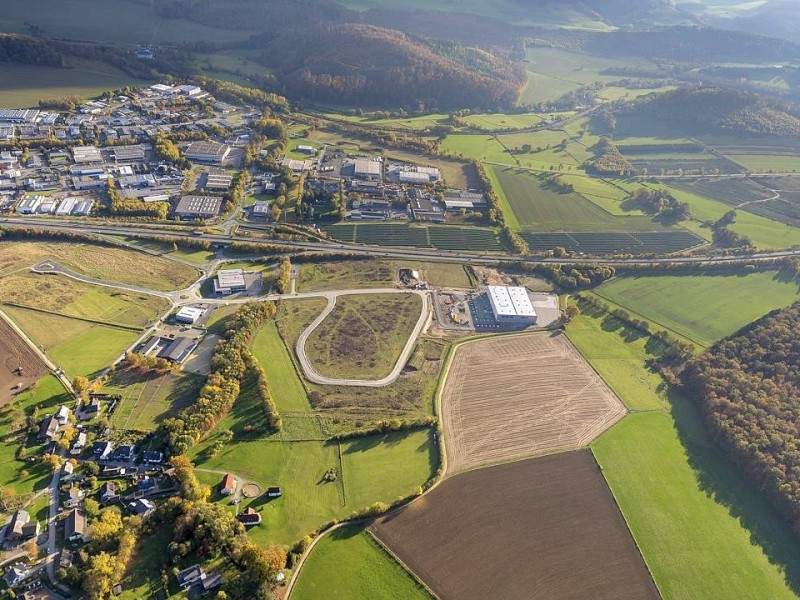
<point>14,353</point>
<point>513,397</point>
<point>489,276</point>
<point>546,528</point>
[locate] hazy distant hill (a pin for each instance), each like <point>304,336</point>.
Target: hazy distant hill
<point>710,109</point>
<point>368,65</point>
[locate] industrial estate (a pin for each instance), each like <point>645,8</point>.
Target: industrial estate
<point>441,301</point>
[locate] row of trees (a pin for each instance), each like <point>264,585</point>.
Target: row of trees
<point>229,366</point>
<point>661,203</point>
<point>748,390</point>
<point>123,207</point>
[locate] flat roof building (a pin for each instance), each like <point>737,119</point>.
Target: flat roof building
<point>86,154</point>
<point>83,208</point>
<point>198,207</point>
<point>208,152</point>
<point>66,206</point>
<point>218,181</point>
<point>229,281</point>
<point>368,168</point>
<point>189,314</point>
<point>29,205</point>
<point>128,153</point>
<point>511,304</point>
<point>18,115</point>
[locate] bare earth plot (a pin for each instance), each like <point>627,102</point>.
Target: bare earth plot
<point>512,397</point>
<point>546,528</point>
<point>14,353</point>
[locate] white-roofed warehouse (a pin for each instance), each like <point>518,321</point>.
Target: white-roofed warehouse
<point>511,304</point>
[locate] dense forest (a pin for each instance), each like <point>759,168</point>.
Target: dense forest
<point>701,109</point>
<point>748,389</point>
<point>367,65</point>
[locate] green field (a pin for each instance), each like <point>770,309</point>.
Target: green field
<point>77,299</point>
<point>765,163</point>
<point>703,532</point>
<point>363,336</point>
<point>78,347</point>
<point>24,85</point>
<point>404,461</point>
<point>349,563</point>
<point>102,262</point>
<point>285,384</point>
<point>148,399</point>
<point>528,205</point>
<point>438,274</point>
<point>343,275</point>
<point>618,354</point>
<point>47,395</point>
<point>701,308</point>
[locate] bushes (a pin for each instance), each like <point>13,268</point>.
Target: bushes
<point>388,426</point>
<point>229,364</point>
<point>284,283</point>
<point>265,396</point>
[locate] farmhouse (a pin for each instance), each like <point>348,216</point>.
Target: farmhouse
<point>198,207</point>
<point>21,528</point>
<point>229,281</point>
<point>249,517</point>
<point>189,314</point>
<point>228,485</point>
<point>75,527</point>
<point>511,304</point>
<point>49,429</point>
<point>208,152</point>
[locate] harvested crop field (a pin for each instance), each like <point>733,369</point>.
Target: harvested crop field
<point>512,397</point>
<point>545,528</point>
<point>15,353</point>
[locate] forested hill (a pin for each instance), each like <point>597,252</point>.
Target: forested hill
<point>367,65</point>
<point>748,389</point>
<point>699,110</point>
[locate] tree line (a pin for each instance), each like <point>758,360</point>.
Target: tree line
<point>748,390</point>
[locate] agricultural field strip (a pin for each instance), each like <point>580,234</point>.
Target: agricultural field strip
<point>486,418</point>
<point>314,377</point>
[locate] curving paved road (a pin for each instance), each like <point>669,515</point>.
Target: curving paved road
<point>312,375</point>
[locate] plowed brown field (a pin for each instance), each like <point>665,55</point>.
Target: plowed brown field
<point>14,352</point>
<point>546,528</point>
<point>512,397</point>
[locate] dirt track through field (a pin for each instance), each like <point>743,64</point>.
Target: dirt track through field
<point>512,397</point>
<point>545,528</point>
<point>14,353</point>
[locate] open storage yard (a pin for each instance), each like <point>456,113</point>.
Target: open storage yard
<point>16,354</point>
<point>511,397</point>
<point>553,521</point>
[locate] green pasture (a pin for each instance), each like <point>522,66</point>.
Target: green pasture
<point>606,194</point>
<point>24,85</point>
<point>702,308</point>
<point>285,384</point>
<point>371,469</point>
<point>703,531</point>
<point>350,563</point>
<point>765,163</point>
<point>437,274</point>
<point>618,354</point>
<point>411,123</point>
<point>528,205</point>
<point>78,347</point>
<point>343,275</point>
<point>765,233</point>
<point>148,399</point>
<point>100,22</point>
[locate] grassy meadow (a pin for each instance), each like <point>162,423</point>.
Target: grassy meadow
<point>701,308</point>
<point>702,530</point>
<point>78,347</point>
<point>349,563</point>
<point>273,356</point>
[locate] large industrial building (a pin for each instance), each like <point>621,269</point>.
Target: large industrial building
<point>229,281</point>
<point>208,152</point>
<point>511,304</point>
<point>198,207</point>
